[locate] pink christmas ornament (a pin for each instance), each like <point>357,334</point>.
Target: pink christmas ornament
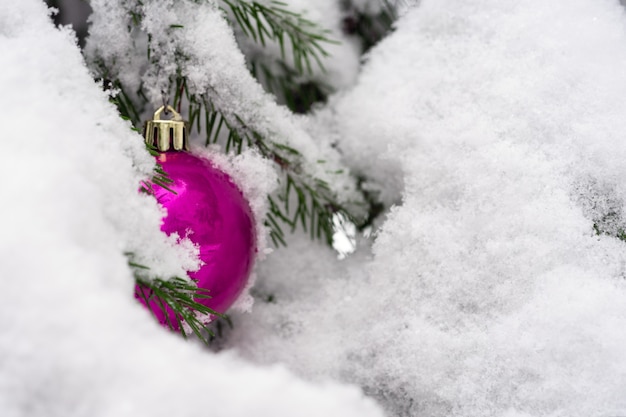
<point>211,211</point>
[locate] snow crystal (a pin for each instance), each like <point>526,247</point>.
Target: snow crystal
<point>73,341</point>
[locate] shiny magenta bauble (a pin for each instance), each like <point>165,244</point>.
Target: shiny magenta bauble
<point>212,212</point>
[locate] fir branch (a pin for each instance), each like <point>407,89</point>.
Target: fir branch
<point>125,105</point>
<point>177,297</point>
<point>315,203</point>
<point>160,177</point>
<point>274,22</point>
<point>128,112</point>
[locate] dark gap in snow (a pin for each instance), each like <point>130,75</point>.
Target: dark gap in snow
<point>74,13</point>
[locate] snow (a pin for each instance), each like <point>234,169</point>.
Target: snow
<point>73,341</point>
<point>493,127</point>
<point>497,129</point>
<point>228,85</point>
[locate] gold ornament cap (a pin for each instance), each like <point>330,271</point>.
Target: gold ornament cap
<point>166,135</point>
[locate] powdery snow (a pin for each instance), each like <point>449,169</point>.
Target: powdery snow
<point>73,341</point>
<point>497,126</point>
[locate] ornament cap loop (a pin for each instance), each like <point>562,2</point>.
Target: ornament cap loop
<point>166,135</point>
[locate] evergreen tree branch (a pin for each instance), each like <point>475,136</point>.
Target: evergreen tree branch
<point>315,204</point>
<point>128,112</point>
<point>175,297</point>
<point>274,22</point>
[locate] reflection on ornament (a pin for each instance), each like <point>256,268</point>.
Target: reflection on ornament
<point>207,208</point>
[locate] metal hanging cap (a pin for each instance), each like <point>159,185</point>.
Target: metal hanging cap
<point>166,135</point>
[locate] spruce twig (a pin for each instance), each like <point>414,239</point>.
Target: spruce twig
<point>128,111</point>
<point>275,22</point>
<point>315,203</point>
<point>175,297</point>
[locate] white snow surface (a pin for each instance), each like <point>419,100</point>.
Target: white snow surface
<point>73,341</point>
<point>497,126</point>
